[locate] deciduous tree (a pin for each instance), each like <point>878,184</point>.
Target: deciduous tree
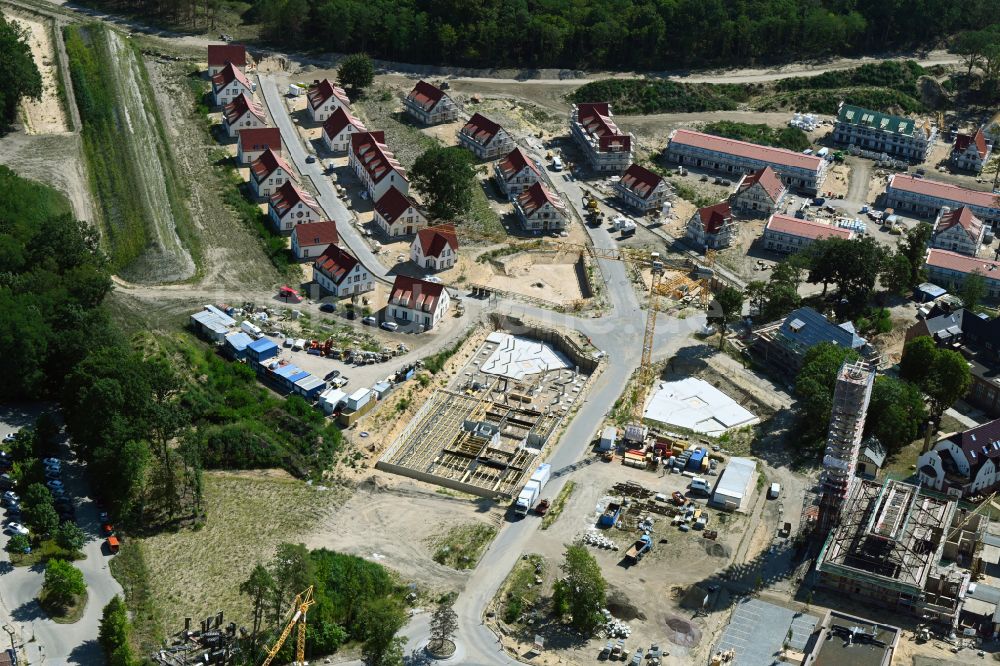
<point>19,75</point>
<point>70,537</point>
<point>895,413</point>
<point>444,623</point>
<point>726,308</point>
<point>381,621</point>
<point>973,290</point>
<point>356,72</point>
<point>446,177</point>
<point>63,583</point>
<point>581,592</point>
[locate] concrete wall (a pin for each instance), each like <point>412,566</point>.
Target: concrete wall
<point>576,354</point>
<point>436,480</point>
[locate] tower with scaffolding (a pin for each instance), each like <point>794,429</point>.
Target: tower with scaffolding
<point>847,423</point>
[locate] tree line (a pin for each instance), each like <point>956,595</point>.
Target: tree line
<point>642,34</point>
<point>19,75</point>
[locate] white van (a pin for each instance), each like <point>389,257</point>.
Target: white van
<point>774,491</point>
<point>252,330</point>
<point>557,164</point>
<point>699,485</point>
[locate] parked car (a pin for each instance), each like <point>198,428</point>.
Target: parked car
<point>103,517</point>
<point>390,326</point>
<point>433,279</point>
<point>52,473</point>
<point>328,307</point>
<point>352,315</point>
<point>310,159</point>
<point>10,437</point>
<point>10,497</point>
<point>369,321</point>
<point>54,484</point>
<point>333,374</point>
<point>16,528</point>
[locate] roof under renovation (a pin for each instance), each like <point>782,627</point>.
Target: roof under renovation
<point>696,405</point>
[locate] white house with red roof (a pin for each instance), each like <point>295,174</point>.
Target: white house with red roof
<point>485,138</point>
<point>641,189</point>
<point>950,269</point>
<point>541,209</point>
<point>397,214</point>
<point>608,149</point>
<point>220,55</point>
<point>243,113</point>
<point>758,193</point>
<point>338,128</point>
<point>252,143</point>
<point>516,173</point>
<point>312,239</point>
<point>430,105</point>
<point>712,226</point>
<point>716,153</point>
<point>787,234</point>
<point>229,84</point>
<point>340,273</point>
<point>417,301</point>
<point>323,98</point>
<point>435,248</point>
<point>291,205</point>
<point>925,198</point>
<point>375,165</point>
<point>958,230</point>
<point>970,152</point>
<point>269,172</point>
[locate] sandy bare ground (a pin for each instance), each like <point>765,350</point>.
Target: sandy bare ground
<point>45,115</point>
<point>53,159</point>
<point>553,282</point>
<point>392,523</point>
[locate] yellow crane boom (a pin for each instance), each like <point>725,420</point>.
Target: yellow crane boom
<point>301,605</point>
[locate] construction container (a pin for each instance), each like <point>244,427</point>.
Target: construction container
<point>694,462</point>
<point>359,399</point>
<point>608,439</point>
<point>634,459</point>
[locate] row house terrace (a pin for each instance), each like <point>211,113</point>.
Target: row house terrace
<point>786,234</point>
<point>607,148</point>
<point>715,153</point>
<point>375,165</point>
<point>925,198</point>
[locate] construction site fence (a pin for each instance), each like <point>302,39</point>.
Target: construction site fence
<point>580,357</point>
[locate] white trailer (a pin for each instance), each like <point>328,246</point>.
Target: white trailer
<point>532,489</point>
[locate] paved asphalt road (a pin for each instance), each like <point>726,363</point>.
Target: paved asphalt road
<point>327,197</point>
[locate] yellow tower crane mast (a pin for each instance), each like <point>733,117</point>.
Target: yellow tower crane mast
<point>301,605</point>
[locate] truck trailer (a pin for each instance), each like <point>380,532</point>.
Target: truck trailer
<point>641,546</point>
<point>532,489</point>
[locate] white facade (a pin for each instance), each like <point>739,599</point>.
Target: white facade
<point>429,320</point>
<point>357,281</point>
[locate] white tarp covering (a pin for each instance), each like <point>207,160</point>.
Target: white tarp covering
<point>515,357</point>
<point>698,406</point>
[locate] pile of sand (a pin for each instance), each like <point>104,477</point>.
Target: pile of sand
<point>682,632</point>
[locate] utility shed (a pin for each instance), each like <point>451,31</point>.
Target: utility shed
<point>332,399</point>
<point>212,323</point>
<point>733,491</point>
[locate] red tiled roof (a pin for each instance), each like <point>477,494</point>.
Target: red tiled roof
<point>258,138</point>
<point>787,224</point>
<point>752,151</point>
<point>515,162</point>
<point>640,181</point>
<point>963,141</point>
<point>595,118</point>
<point>960,217</point>
<point>481,129</point>
<point>537,196</point>
<point>316,233</point>
<point>419,294</point>
<point>288,196</point>
<point>335,263</point>
<point>265,165</point>
<point>425,95</point>
<point>375,156</point>
<point>714,217</point>
<point>393,204</point>
<point>222,54</point>
<point>933,188</point>
<point>228,74</point>
<point>767,178</point>
<point>433,240</point>
<point>340,119</point>
<point>239,106</point>
<point>963,263</point>
<point>324,90</point>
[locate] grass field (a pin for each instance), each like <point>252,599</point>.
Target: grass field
<point>146,227</point>
<point>462,545</point>
<point>519,592</point>
<point>197,572</point>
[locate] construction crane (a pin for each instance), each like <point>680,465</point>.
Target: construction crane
<point>301,605</point>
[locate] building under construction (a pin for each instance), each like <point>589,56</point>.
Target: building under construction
<point>898,548</point>
<point>843,443</point>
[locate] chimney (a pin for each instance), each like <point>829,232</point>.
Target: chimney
<point>928,436</point>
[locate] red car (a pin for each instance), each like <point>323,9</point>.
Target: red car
<point>678,498</point>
